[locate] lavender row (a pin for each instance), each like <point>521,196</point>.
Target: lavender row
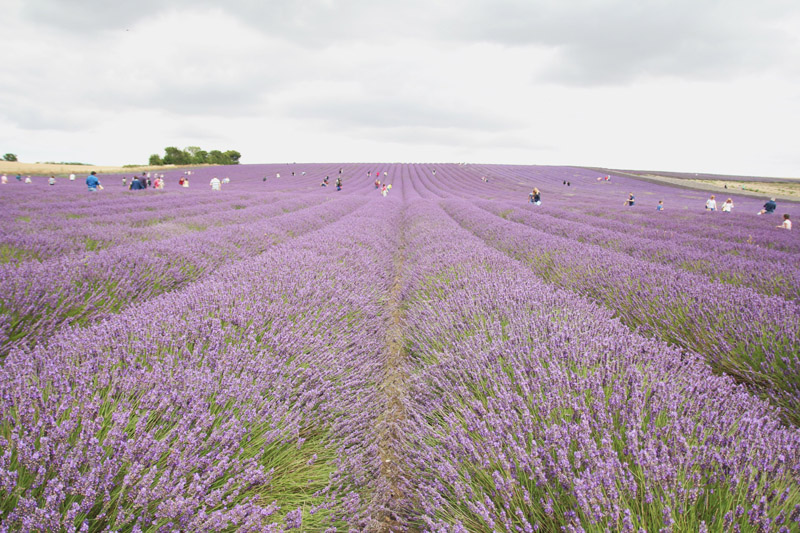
<point>36,300</point>
<point>749,335</point>
<point>249,403</point>
<point>172,221</point>
<point>533,409</point>
<point>674,234</point>
<point>771,278</point>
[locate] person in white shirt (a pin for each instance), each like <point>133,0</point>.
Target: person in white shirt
<point>727,206</point>
<point>72,177</point>
<point>216,185</point>
<point>787,223</point>
<point>711,204</point>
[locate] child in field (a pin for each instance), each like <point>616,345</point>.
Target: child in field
<point>727,206</point>
<point>786,224</point>
<point>631,200</point>
<point>338,184</point>
<point>3,179</point>
<point>384,190</point>
<point>711,204</point>
<point>52,180</point>
<point>660,206</point>
<point>535,197</point>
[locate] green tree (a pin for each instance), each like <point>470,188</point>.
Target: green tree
<point>233,157</point>
<point>155,159</point>
<point>175,156</point>
<point>215,157</point>
<point>200,157</point>
<point>10,157</point>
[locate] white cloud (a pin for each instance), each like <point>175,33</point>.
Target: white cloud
<point>686,85</point>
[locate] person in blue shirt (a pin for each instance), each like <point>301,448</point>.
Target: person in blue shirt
<point>769,207</point>
<point>92,182</point>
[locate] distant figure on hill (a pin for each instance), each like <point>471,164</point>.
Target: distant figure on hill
<point>216,185</point>
<point>711,204</point>
<point>564,182</point>
<point>186,182</point>
<point>568,184</point>
<point>434,171</point>
<point>631,200</point>
<point>384,190</point>
<point>52,180</point>
<point>377,184</point>
<point>727,206</point>
<point>93,183</point>
<point>277,174</point>
<point>786,224</point>
<point>338,184</point>
<point>535,197</point>
<point>660,206</point>
<point>72,177</point>
<point>769,207</point>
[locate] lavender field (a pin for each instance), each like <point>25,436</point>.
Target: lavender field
<point>281,356</point>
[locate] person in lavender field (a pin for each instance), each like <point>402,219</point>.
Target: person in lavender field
<point>711,204</point>
<point>143,181</point>
<point>3,179</point>
<point>787,223</point>
<point>769,207</point>
<point>535,197</point>
<point>216,185</point>
<point>124,181</point>
<point>72,177</point>
<point>19,177</point>
<point>660,206</point>
<point>28,179</point>
<point>727,206</point>
<point>93,183</point>
<point>631,200</point>
<point>377,184</point>
<point>52,180</point>
<point>135,185</point>
<point>338,184</point>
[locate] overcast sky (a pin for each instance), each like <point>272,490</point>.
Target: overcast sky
<point>689,85</point>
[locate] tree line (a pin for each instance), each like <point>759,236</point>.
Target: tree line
<point>194,155</point>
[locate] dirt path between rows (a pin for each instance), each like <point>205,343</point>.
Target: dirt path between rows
<point>393,517</point>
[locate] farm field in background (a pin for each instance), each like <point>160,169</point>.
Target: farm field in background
<point>282,356</point>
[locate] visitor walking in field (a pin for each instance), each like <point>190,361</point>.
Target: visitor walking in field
<point>787,223</point>
<point>93,183</point>
<point>711,204</point>
<point>535,197</point>
<point>216,185</point>
<point>631,200</point>
<point>338,184</point>
<point>727,206</point>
